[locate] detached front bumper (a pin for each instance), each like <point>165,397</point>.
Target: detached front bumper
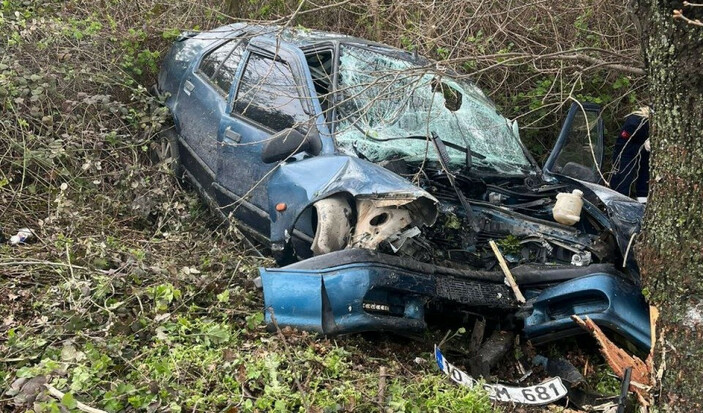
<point>613,303</point>
<point>346,299</point>
<point>356,290</point>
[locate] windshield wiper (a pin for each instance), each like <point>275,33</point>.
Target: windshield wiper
<point>424,138</point>
<point>469,153</point>
<point>444,162</point>
<point>443,156</point>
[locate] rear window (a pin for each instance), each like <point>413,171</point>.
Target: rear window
<point>220,65</point>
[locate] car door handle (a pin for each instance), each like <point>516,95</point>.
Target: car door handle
<point>231,137</point>
<point>188,87</point>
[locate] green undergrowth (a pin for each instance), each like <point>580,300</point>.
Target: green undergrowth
<point>132,296</point>
<point>194,345</point>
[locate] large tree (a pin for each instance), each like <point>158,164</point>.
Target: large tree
<point>671,254</point>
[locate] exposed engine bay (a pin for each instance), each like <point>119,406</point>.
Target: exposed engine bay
<point>516,213</point>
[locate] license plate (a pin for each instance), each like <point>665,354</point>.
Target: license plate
<point>546,392</point>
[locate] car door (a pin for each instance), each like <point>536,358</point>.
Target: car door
<point>271,95</point>
<point>202,101</point>
<point>578,152</point>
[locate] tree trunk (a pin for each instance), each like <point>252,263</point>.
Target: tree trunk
<point>671,253</point>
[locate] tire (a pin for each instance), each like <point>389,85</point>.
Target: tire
<point>165,150</point>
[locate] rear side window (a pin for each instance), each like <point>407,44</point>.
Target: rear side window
<point>225,74</point>
<point>269,95</point>
<point>214,59</point>
<point>220,65</point>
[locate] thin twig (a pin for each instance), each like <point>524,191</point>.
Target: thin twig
<point>51,264</point>
<point>382,386</point>
<point>627,250</point>
<point>80,406</point>
<point>678,14</point>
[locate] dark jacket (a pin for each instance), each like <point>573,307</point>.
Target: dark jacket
<point>632,135</point>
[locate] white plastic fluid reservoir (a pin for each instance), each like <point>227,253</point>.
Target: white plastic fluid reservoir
<point>567,209</point>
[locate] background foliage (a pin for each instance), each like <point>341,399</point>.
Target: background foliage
<point>133,297</point>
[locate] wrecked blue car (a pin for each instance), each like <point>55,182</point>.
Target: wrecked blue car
<point>377,178</point>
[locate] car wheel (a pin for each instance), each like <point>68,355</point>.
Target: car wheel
<point>165,151</point>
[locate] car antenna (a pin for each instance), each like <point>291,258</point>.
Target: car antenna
<point>444,162</point>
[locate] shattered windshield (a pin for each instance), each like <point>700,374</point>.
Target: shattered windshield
<point>386,103</point>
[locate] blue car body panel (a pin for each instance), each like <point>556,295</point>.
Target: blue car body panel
<point>332,301</point>
<point>293,184</point>
<point>611,302</point>
<point>346,299</point>
<point>366,291</point>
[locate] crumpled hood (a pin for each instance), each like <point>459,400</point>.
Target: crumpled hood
<point>623,211</point>
<point>300,184</point>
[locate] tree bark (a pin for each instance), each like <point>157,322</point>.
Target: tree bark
<point>671,251</point>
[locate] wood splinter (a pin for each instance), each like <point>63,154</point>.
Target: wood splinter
<point>80,406</point>
<point>506,271</point>
<point>619,360</point>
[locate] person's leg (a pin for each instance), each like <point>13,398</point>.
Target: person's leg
<point>625,166</point>
<point>642,182</point>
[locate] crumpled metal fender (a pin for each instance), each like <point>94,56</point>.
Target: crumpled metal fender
<point>301,183</point>
<point>624,215</point>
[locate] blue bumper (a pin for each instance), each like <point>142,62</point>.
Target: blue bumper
<point>612,303</point>
<point>347,299</point>
<point>350,292</point>
<point>369,295</point>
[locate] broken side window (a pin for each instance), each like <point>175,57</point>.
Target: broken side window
<point>320,64</point>
<point>384,98</point>
<point>581,148</point>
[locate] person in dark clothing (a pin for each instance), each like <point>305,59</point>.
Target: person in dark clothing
<point>631,155</point>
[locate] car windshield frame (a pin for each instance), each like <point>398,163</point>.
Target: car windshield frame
<point>457,110</point>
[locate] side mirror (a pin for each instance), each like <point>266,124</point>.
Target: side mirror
<point>289,142</point>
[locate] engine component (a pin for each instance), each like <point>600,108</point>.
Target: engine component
<point>581,259</point>
<point>397,241</point>
<point>375,224</point>
<point>496,198</point>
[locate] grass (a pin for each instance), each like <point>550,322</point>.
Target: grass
<point>132,297</point>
